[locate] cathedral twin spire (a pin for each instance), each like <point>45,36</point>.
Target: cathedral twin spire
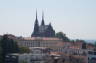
<point>42,23</point>
<point>42,30</point>
<point>36,25</point>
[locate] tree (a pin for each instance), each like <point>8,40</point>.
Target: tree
<point>0,53</point>
<point>84,45</point>
<point>24,50</point>
<point>95,43</point>
<point>15,47</point>
<point>8,46</point>
<point>62,36</point>
<point>77,40</point>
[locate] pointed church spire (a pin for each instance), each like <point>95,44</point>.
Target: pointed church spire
<point>50,23</point>
<point>36,21</point>
<point>42,18</point>
<point>36,14</point>
<point>36,27</point>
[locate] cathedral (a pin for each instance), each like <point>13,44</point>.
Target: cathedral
<point>42,30</point>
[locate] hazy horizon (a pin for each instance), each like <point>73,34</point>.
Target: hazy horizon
<point>76,18</point>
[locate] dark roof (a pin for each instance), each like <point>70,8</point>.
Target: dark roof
<point>43,28</point>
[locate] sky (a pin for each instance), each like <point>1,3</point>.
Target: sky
<point>76,18</point>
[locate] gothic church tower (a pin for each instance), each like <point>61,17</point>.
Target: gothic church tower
<point>36,27</point>
<point>42,30</point>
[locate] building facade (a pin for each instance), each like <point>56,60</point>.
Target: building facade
<point>52,43</point>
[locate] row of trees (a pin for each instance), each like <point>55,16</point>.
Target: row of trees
<point>8,46</point>
<point>62,36</point>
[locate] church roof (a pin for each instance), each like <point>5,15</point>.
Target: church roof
<point>43,28</point>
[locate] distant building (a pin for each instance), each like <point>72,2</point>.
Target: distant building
<point>26,58</point>
<point>42,30</point>
<point>40,50</point>
<point>47,42</point>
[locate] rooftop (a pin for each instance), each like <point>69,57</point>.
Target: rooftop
<point>41,38</point>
